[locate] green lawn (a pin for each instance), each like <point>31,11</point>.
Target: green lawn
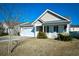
<point>40,47</point>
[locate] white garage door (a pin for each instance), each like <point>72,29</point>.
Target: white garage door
<point>27,31</point>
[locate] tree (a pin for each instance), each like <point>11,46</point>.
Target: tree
<point>8,19</point>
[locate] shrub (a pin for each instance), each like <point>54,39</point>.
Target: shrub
<point>3,34</point>
<point>41,35</point>
<point>18,34</point>
<point>1,30</point>
<point>64,37</point>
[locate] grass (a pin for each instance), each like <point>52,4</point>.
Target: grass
<point>5,48</point>
<point>47,47</point>
<point>41,47</point>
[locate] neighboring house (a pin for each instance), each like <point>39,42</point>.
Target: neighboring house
<point>10,27</point>
<point>48,22</point>
<point>74,28</point>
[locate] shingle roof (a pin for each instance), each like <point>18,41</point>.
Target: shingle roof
<point>12,23</point>
<point>54,22</point>
<point>26,24</point>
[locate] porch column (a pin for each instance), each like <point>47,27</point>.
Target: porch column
<point>43,28</point>
<point>35,31</point>
<point>68,28</point>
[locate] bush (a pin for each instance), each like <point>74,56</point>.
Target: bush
<point>18,34</point>
<point>1,30</point>
<point>3,34</point>
<point>64,37</point>
<point>41,35</point>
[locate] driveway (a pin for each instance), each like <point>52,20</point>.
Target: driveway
<point>11,38</point>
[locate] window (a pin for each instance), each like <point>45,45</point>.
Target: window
<point>55,28</point>
<point>39,28</point>
<point>47,28</point>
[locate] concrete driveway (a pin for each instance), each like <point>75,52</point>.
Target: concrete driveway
<point>11,38</point>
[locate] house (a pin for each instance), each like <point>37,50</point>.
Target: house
<point>74,28</point>
<point>48,22</point>
<point>9,27</point>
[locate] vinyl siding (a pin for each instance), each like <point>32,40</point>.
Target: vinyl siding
<point>49,17</point>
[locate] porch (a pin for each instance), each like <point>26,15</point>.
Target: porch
<point>50,30</point>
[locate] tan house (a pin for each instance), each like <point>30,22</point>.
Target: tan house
<point>48,22</point>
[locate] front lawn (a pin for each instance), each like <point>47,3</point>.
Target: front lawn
<point>47,47</point>
<point>5,48</point>
<point>41,47</point>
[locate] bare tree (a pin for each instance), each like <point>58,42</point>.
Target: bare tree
<point>8,19</point>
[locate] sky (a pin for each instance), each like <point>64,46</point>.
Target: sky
<point>28,12</point>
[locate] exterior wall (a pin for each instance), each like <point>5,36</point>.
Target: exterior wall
<point>12,31</point>
<point>38,23</point>
<point>5,27</point>
<point>30,31</point>
<point>52,34</point>
<point>61,29</point>
<point>74,28</point>
<point>49,17</point>
<point>27,31</point>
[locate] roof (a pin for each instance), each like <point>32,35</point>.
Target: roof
<point>74,25</point>
<point>64,18</point>
<point>12,23</point>
<point>26,24</point>
<point>55,22</point>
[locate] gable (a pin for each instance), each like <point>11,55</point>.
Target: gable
<point>49,17</point>
<point>38,23</point>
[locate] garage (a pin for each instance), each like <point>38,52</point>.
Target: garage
<point>27,31</point>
